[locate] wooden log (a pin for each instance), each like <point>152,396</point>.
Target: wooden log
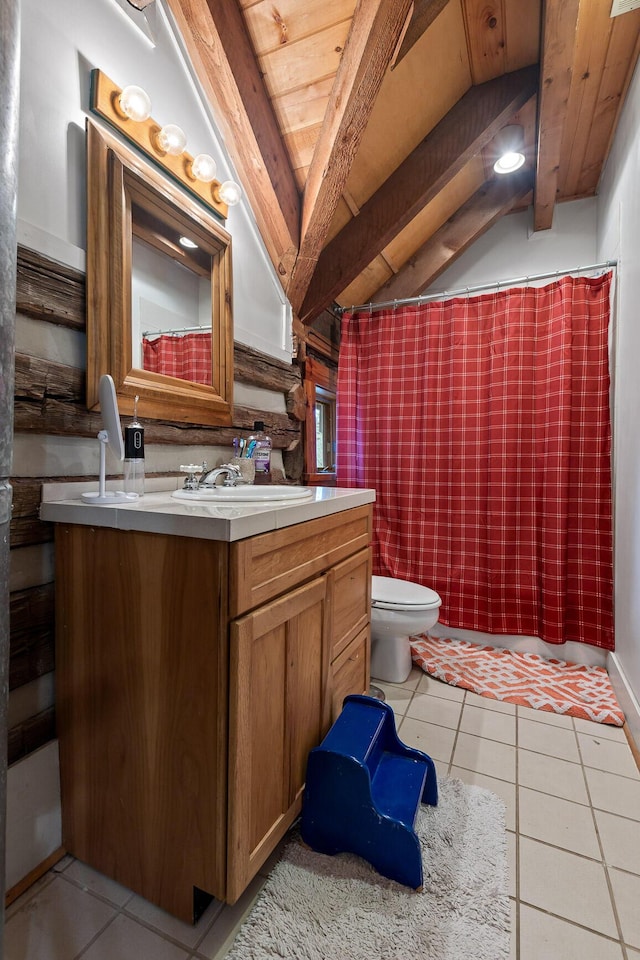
<point>297,403</point>
<point>50,291</point>
<point>26,527</point>
<point>32,733</point>
<point>31,635</point>
<point>260,370</point>
<point>63,418</point>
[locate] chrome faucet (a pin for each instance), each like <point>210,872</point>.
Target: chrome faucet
<point>230,473</point>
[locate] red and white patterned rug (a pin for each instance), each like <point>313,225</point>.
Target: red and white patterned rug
<point>523,678</point>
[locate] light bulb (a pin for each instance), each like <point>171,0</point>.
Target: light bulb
<point>230,193</point>
<point>135,103</point>
<point>509,162</point>
<point>171,139</point>
<point>203,167</point>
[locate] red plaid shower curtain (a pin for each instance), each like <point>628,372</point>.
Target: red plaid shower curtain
<point>187,356</point>
<point>483,425</point>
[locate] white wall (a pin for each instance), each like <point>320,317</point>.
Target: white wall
<point>61,43</point>
<point>618,236</point>
<point>509,249</point>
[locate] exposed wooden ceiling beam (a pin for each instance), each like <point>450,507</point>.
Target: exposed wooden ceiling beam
<point>559,32</point>
<point>373,37</point>
<point>220,51</point>
<point>459,136</point>
<point>492,201</point>
<point>424,13</point>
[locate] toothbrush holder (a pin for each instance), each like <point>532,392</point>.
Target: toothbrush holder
<point>247,468</point>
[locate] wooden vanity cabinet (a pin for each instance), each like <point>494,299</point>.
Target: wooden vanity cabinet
<point>193,678</point>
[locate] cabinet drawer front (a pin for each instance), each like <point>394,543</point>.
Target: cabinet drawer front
<point>350,672</point>
<point>350,597</point>
<point>266,566</point>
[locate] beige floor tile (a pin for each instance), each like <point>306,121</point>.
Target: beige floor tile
<point>615,794</point>
<point>97,883</point>
<point>513,951</point>
<point>442,768</point>
<point>185,934</point>
<point>56,924</point>
<point>608,755</point>
<point>543,937</point>
<point>488,723</point>
<point>620,841</point>
<point>550,740</point>
<point>432,739</point>
<point>31,892</point>
<point>604,730</point>
<point>545,716</point>
<point>396,696</point>
<point>438,710</point>
<point>504,789</point>
<point>560,778</point>
<point>488,703</point>
<point>438,688</point>
<point>566,885</point>
<point>412,680</point>
<point>512,863</point>
<point>128,940</point>
<point>557,821</point>
<point>485,756</point>
<point>626,892</point>
<point>220,937</point>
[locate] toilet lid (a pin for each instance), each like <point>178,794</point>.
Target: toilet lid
<point>387,592</point>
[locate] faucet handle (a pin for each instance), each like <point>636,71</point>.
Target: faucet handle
<point>191,469</point>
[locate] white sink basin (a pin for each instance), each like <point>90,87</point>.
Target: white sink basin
<point>246,494</point>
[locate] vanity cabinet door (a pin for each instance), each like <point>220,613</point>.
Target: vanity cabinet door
<point>350,672</point>
<point>350,592</point>
<point>278,710</point>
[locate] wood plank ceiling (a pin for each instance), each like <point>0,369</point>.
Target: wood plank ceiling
<point>363,133</point>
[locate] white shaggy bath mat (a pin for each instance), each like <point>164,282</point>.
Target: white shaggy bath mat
<point>315,907</point>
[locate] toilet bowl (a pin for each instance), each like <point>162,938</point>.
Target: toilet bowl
<point>399,610</point>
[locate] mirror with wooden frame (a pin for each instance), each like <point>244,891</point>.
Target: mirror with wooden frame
<point>159,291</point>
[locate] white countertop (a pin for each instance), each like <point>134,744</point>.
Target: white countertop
<point>159,512</point>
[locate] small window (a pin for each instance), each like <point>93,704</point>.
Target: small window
<point>325,431</point>
<point>320,426</point>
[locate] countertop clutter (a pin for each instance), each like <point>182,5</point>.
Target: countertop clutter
<point>159,512</point>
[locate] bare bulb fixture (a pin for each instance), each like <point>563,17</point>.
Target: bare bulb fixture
<point>171,139</point>
<point>202,167</point>
<point>509,149</point>
<point>229,192</point>
<point>134,103</point>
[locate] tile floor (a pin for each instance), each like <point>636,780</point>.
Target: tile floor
<point>572,791</point>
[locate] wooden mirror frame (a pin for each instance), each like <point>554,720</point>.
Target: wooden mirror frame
<point>116,175</point>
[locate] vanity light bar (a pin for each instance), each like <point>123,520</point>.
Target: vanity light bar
<point>143,133</point>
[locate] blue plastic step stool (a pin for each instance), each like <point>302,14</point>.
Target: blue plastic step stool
<point>363,790</point>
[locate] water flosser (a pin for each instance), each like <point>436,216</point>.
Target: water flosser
<point>134,455</point>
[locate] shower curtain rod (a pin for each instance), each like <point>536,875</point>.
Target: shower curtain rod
<point>463,291</point>
<point>160,333</point>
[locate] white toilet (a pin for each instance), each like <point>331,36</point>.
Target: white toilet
<point>399,610</point>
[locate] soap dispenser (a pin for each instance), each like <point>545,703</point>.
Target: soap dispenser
<point>134,456</point>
